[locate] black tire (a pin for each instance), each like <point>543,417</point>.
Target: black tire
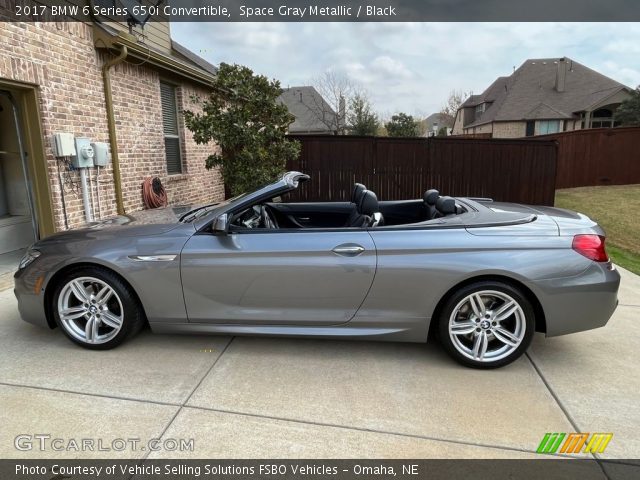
<point>133,315</point>
<point>527,323</point>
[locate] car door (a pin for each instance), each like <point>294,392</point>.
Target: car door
<point>277,277</point>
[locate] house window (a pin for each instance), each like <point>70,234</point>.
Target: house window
<point>548,126</point>
<point>531,128</point>
<point>603,118</point>
<point>602,113</point>
<point>170,128</point>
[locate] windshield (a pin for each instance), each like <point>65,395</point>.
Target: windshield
<point>201,211</point>
<point>288,182</point>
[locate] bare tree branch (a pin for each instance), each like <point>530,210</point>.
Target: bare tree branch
<point>337,90</point>
<point>455,100</point>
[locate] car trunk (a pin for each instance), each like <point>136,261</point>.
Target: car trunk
<point>548,220</point>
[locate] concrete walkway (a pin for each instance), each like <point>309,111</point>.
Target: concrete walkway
<point>252,397</point>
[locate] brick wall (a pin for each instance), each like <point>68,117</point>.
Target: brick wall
<point>573,125</point>
<point>509,129</point>
<point>458,123</point>
<point>512,129</point>
<point>61,60</point>
<point>479,129</point>
<point>199,178</point>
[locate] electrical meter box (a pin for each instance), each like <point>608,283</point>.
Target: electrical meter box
<point>63,145</point>
<point>101,154</point>
<point>84,153</point>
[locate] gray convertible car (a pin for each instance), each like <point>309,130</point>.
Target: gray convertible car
<point>483,276</point>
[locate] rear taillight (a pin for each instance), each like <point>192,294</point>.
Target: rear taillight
<point>591,246</point>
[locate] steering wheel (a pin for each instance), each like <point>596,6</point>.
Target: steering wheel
<point>267,220</point>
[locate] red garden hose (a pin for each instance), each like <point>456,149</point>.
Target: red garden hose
<point>153,193</point>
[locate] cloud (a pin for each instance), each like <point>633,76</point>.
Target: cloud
<point>623,73</point>
<point>386,65</point>
<point>249,37</point>
<point>412,67</point>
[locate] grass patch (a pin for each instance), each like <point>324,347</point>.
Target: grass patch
<point>616,208</point>
<point>624,258</point>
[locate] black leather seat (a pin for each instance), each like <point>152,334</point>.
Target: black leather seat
<point>368,211</point>
<point>370,208</point>
<point>446,206</point>
<point>430,198</point>
<point>358,189</point>
<point>356,196</point>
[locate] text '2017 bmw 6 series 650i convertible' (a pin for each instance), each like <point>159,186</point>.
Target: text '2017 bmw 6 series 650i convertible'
<point>482,275</point>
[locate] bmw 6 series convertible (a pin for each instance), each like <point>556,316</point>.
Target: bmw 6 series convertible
<point>483,276</point>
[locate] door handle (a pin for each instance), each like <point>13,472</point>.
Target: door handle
<point>348,250</point>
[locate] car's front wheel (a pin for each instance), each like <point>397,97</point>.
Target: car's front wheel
<point>487,324</point>
<point>95,308</point>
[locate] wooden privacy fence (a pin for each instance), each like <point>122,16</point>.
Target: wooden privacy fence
<point>403,168</point>
<point>601,156</point>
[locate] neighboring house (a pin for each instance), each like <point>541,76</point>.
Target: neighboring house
<point>96,80</point>
<point>313,114</point>
<point>434,123</point>
<point>543,96</point>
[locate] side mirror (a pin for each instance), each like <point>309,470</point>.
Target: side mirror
<point>221,224</point>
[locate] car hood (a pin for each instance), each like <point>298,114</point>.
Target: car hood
<point>143,223</point>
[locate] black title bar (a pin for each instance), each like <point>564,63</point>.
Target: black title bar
<point>547,469</point>
<point>323,10</point>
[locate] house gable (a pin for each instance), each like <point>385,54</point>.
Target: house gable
<point>542,89</point>
<point>312,112</point>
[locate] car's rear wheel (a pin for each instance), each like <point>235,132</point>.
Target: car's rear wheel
<point>486,324</point>
<point>95,308</point>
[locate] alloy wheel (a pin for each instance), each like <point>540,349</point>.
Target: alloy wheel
<point>487,325</point>
<point>90,310</point>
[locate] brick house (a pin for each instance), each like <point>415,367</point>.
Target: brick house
<point>89,79</point>
<point>543,96</point>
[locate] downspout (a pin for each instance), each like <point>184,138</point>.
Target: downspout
<point>111,122</point>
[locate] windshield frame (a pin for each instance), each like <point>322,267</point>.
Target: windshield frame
<point>215,206</point>
<point>288,182</point>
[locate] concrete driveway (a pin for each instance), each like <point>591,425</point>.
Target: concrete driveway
<point>252,397</point>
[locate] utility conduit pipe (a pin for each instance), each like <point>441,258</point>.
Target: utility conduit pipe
<point>85,195</point>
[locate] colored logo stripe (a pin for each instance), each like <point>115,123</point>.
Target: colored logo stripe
<point>598,442</point>
<point>550,442</point>
<point>574,442</point>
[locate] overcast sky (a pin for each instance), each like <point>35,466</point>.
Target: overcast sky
<point>411,67</point>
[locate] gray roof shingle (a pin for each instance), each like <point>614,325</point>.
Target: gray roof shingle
<point>193,58</point>
<point>530,93</point>
<point>313,114</point>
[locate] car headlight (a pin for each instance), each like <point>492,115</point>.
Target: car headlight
<point>30,255</point>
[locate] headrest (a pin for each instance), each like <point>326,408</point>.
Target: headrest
<point>431,196</point>
<point>368,203</point>
<point>358,188</point>
<point>446,205</point>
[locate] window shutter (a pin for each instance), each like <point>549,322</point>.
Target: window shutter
<point>169,109</point>
<point>170,127</point>
<point>174,162</point>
